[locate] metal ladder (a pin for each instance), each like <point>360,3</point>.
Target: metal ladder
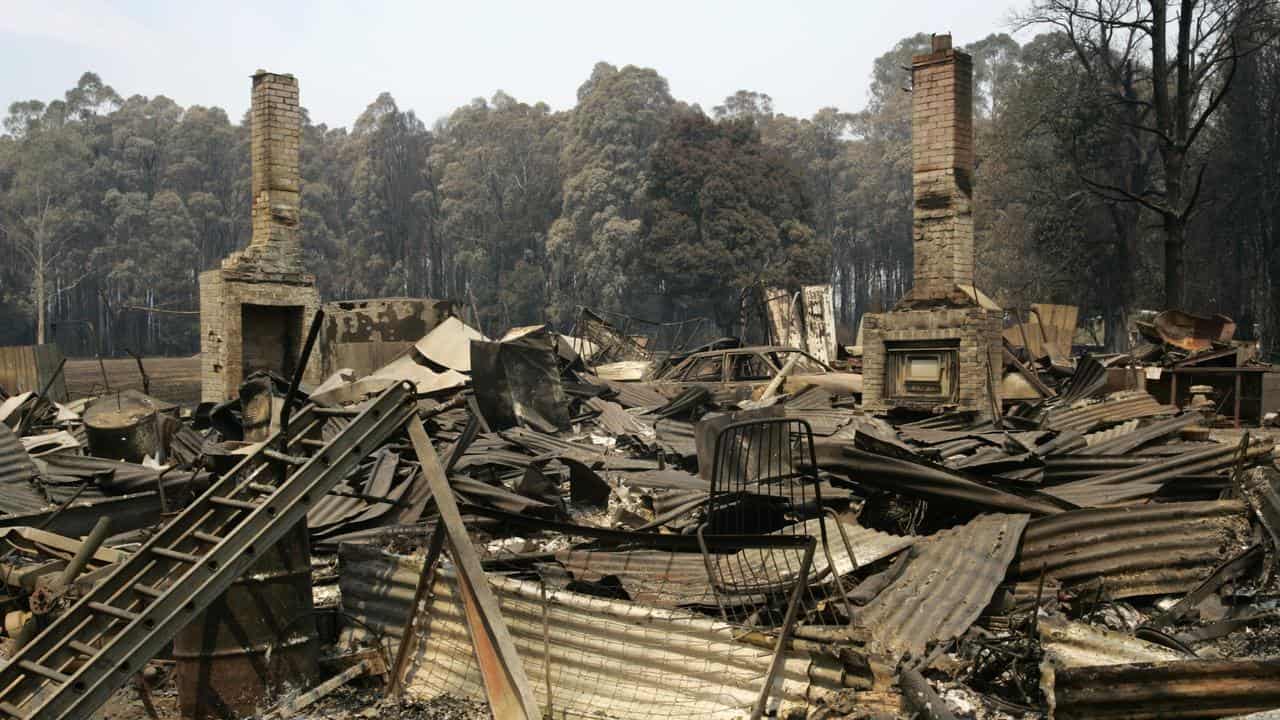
<point>75,664</point>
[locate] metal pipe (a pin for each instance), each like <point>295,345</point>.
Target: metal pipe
<point>86,552</point>
<point>920,697</point>
<point>287,409</point>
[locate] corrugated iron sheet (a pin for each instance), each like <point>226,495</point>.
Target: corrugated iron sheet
<point>384,477</point>
<point>17,494</point>
<point>608,659</point>
<point>949,579</point>
<point>1070,644</point>
<point>1090,377</point>
<point>617,421</point>
<point>915,477</point>
<point>16,465</point>
<point>670,579</point>
<point>676,436</point>
<point>1184,689</point>
<point>127,512</point>
<point>635,394</point>
<point>1104,436</point>
<point>1123,443</point>
<point>1117,408</point>
<point>1127,485</point>
<point>1135,550</point>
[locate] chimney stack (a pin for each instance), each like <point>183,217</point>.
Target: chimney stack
<point>256,307</point>
<point>275,123</point>
<point>942,172</point>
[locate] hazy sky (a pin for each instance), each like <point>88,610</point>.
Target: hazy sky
<point>434,56</point>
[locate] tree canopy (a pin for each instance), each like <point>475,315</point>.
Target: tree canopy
<point>635,201</point>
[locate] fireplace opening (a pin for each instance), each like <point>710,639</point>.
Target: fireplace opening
<point>270,337</point>
<point>922,370</point>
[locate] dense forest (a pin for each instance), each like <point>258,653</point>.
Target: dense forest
<point>1128,158</point>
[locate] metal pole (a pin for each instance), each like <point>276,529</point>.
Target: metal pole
<point>784,636</point>
<point>425,581</point>
<point>287,409</point>
<point>86,552</point>
<point>546,645</point>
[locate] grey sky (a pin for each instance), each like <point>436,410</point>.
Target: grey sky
<point>435,56</point>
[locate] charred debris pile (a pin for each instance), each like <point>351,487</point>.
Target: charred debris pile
<point>498,522</point>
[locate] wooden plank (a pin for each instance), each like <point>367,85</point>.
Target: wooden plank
<point>26,368</point>
<point>508,689</point>
<point>1057,326</point>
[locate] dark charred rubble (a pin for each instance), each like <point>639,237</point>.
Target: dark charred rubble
<point>1096,553</point>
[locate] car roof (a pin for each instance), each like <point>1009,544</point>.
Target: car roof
<point>750,348</point>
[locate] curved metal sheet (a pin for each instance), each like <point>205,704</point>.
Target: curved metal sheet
<point>607,658</point>
<point>948,580</point>
<point>1134,550</point>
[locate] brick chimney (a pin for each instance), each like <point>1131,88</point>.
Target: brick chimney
<point>255,307</point>
<point>275,123</point>
<point>938,349</point>
<point>942,173</point>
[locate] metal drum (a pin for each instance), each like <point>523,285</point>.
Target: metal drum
<point>254,642</point>
<point>122,426</point>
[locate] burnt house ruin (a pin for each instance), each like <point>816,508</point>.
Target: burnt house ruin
<point>940,346</point>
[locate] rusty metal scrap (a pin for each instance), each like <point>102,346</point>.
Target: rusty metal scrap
<point>1192,332</point>
<point>1135,550</point>
<point>1118,408</point>
<point>949,579</point>
<point>1182,689</point>
<point>1016,540</point>
<point>929,481</point>
<point>608,657</point>
<point>1137,483</point>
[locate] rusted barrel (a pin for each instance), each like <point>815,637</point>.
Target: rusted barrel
<point>254,642</point>
<point>122,426</point>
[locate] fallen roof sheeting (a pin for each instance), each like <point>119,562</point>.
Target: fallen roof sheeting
<point>915,477</point>
<point>449,344</point>
<point>669,579</point>
<point>1126,485</point>
<point>950,577</point>
<point>1123,443</point>
<point>1183,689</point>
<point>1069,644</point>
<point>1135,550</point>
<point>1117,408</point>
<point>17,494</point>
<point>609,659</point>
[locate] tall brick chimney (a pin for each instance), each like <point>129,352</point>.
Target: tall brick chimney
<point>256,307</point>
<point>275,123</point>
<point>942,172</point>
<point>940,347</point>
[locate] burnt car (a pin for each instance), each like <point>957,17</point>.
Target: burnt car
<point>744,373</point>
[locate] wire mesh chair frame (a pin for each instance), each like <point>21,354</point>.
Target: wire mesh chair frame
<point>764,479</point>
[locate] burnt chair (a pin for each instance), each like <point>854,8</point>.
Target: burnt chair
<point>764,483</point>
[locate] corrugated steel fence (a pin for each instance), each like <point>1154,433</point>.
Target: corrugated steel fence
<point>606,658</point>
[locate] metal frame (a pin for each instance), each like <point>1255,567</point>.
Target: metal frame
<point>752,455</point>
<point>99,644</point>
